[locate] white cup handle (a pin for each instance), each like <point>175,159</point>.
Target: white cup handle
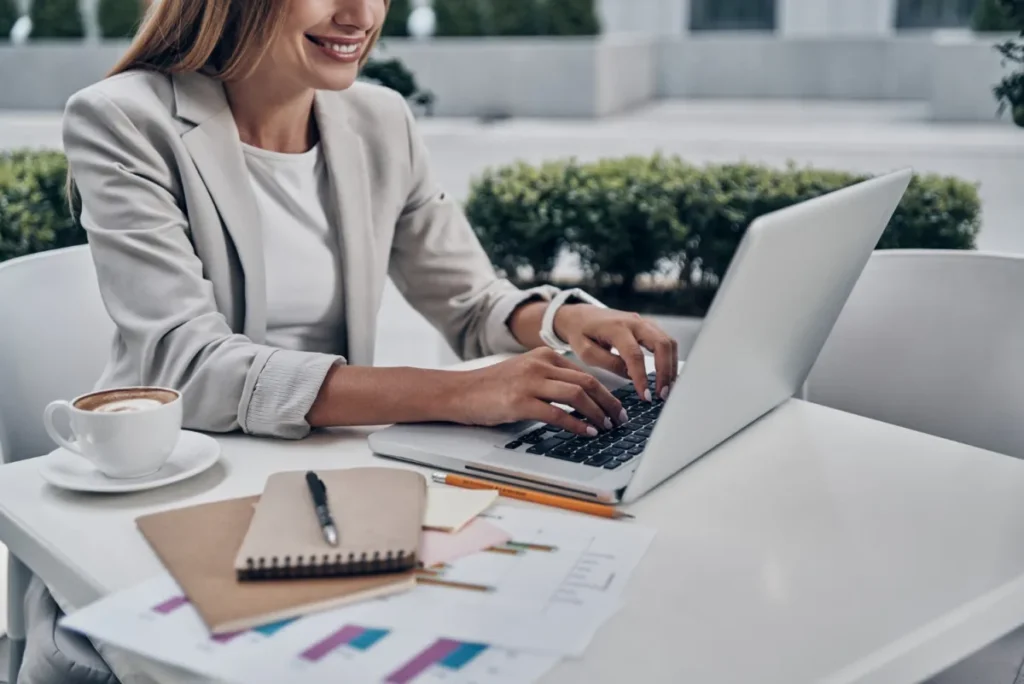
<point>51,429</point>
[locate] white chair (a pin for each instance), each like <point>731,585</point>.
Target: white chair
<point>934,341</point>
<point>55,341</point>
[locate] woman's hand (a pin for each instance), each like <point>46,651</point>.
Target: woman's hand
<point>593,331</point>
<point>524,388</point>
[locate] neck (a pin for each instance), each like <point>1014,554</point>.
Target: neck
<point>279,119</point>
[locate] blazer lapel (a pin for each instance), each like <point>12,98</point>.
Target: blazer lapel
<point>217,152</point>
<point>346,163</point>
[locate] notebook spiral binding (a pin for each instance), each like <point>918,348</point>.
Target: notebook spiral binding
<point>327,565</point>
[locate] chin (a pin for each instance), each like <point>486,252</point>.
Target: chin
<point>341,80</point>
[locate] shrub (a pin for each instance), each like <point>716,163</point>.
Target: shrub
<point>56,19</point>
<point>8,15</point>
<point>119,18</point>
<point>396,22</point>
<point>571,18</point>
<point>992,16</point>
<point>1009,92</point>
<point>661,216</point>
<point>514,17</point>
<point>34,216</point>
<point>391,73</point>
<point>459,17</point>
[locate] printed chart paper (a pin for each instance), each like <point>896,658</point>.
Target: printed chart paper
<point>505,614</point>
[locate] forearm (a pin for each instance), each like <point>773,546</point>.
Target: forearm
<point>525,324</point>
<point>356,395</point>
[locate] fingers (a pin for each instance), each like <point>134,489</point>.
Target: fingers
<point>665,351</point>
<point>611,408</point>
<point>538,409</point>
<point>575,396</point>
<point>624,340</point>
<point>595,355</point>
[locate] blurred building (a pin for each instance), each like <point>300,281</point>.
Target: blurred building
<point>796,18</point>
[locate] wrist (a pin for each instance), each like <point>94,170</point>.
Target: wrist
<point>567,319</point>
<point>448,404</point>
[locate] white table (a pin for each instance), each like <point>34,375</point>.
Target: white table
<point>816,546</point>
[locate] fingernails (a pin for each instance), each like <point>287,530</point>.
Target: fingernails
<point>591,431</point>
<point>623,417</point>
<point>608,424</point>
<point>647,396</point>
<point>664,393</point>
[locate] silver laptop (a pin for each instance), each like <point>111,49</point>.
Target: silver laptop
<point>776,306</point>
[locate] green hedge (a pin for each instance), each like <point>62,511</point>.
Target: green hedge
<point>56,19</point>
<point>119,18</point>
<point>572,18</point>
<point>626,218</point>
<point>516,17</point>
<point>459,18</point>
<point>34,216</point>
<point>8,15</point>
<point>993,16</point>
<point>396,21</point>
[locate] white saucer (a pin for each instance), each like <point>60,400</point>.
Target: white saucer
<point>194,454</point>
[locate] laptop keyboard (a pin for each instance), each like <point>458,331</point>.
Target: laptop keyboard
<point>610,449</point>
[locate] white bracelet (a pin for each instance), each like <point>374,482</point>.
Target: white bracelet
<point>547,324</point>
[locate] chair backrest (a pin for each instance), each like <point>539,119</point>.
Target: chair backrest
<point>55,340</point>
<point>932,341</point>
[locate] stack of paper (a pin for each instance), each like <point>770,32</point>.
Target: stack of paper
<point>452,528</point>
<point>507,613</point>
<point>449,509</point>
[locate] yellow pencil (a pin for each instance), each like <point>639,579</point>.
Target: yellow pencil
<point>569,504</point>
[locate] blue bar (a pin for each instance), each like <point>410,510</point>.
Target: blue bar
<point>462,655</point>
<point>368,638</point>
<point>274,627</point>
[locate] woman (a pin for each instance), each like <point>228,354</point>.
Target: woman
<point>245,201</point>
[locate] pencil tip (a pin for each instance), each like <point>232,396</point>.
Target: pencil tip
<point>624,516</point>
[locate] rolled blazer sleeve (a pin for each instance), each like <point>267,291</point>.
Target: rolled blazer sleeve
<point>438,264</point>
<point>153,287</point>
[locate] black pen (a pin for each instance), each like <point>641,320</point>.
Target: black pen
<point>323,513</point>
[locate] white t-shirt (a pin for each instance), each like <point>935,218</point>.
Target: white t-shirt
<point>305,308</point>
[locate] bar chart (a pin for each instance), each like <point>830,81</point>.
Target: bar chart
<point>360,639</point>
<point>447,654</point>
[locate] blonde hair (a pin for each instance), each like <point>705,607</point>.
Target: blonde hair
<point>224,39</point>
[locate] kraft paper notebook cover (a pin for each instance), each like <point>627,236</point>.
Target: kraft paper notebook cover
<point>198,544</point>
<point>378,513</point>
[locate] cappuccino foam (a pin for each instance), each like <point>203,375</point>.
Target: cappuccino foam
<point>125,400</point>
<point>125,405</point>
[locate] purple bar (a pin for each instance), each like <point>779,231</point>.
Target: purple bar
<point>170,605</point>
<point>227,636</point>
<point>339,638</point>
<point>441,649</point>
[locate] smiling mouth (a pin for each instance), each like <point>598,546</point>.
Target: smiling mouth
<point>342,49</point>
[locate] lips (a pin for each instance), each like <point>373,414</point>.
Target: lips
<point>340,47</point>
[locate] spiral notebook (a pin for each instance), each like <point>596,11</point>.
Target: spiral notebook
<point>197,544</point>
<point>378,513</point>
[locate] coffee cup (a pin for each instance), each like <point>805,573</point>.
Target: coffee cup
<point>126,433</point>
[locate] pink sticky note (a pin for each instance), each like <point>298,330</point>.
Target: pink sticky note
<point>444,547</point>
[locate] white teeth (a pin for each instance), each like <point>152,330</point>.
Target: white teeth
<point>344,49</point>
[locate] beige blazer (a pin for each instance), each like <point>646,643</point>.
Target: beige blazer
<point>175,234</point>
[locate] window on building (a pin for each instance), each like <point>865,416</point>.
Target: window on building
<point>912,14</point>
<point>732,15</point>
